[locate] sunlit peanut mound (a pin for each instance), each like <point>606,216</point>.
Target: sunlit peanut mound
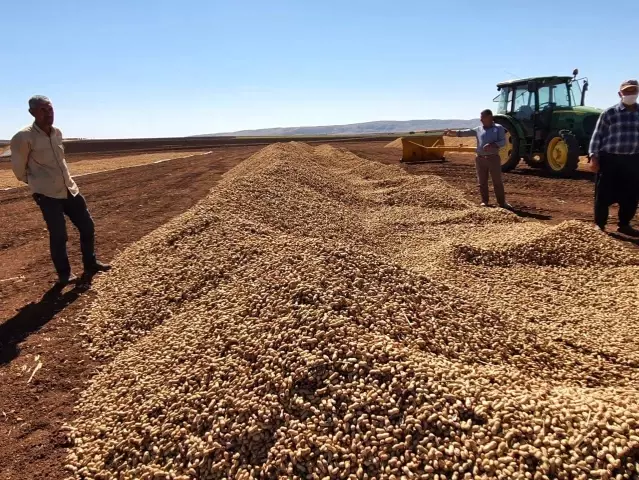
<point>281,328</point>
<point>317,357</point>
<point>568,244</point>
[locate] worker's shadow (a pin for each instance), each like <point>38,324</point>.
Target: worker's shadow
<point>525,214</point>
<point>34,316</point>
<point>541,173</point>
<point>617,236</point>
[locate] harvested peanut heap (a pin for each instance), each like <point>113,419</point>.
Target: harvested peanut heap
<point>281,329</point>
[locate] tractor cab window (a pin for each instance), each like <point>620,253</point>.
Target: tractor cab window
<point>524,103</point>
<point>504,100</point>
<point>551,96</point>
<point>544,97</point>
<point>575,93</point>
<point>562,95</point>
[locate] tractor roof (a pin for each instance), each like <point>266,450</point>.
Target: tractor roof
<point>524,81</point>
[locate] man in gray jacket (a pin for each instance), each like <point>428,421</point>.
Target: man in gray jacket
<point>490,138</point>
<point>37,158</point>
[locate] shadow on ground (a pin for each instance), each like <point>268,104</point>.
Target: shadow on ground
<point>623,238</point>
<point>526,214</point>
<point>35,315</point>
<point>542,173</point>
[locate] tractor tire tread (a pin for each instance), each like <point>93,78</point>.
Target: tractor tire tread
<point>514,159</point>
<point>573,154</point>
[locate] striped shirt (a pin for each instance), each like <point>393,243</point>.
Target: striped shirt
<point>617,131</point>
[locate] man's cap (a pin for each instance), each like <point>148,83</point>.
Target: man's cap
<point>629,84</point>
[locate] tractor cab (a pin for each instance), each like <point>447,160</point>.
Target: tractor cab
<point>546,122</point>
<point>523,98</point>
<point>532,100</point>
<point>539,113</point>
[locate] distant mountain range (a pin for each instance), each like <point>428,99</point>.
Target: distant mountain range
<point>366,128</point>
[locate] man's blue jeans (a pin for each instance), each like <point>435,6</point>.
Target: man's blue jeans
<point>53,211</point>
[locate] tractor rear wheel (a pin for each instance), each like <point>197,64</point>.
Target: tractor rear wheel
<point>562,154</point>
<point>510,152</point>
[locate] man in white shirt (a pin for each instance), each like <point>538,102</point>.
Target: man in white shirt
<point>37,158</point>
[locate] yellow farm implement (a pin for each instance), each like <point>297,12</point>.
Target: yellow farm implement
<point>428,148</point>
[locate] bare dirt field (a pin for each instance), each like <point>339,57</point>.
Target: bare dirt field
<point>36,325</point>
<point>126,205</point>
<point>93,164</point>
<point>144,145</point>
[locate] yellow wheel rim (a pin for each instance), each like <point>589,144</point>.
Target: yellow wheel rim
<point>557,154</point>
<point>507,150</point>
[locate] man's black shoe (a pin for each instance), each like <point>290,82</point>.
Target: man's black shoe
<point>628,230</point>
<point>97,266</point>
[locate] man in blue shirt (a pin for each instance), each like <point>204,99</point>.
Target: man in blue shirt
<point>614,155</point>
<point>490,138</point>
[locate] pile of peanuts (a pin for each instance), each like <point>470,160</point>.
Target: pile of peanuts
<point>323,316</point>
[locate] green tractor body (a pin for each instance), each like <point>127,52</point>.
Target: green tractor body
<point>546,121</point>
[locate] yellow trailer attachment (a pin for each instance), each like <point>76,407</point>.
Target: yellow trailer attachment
<point>424,148</point>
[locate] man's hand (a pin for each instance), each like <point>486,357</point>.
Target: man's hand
<point>20,156</point>
<point>490,147</point>
<point>450,133</point>
<point>594,163</point>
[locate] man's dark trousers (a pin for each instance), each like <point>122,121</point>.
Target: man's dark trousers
<point>617,182</point>
<point>53,211</point>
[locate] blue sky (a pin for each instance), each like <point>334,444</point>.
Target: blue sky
<point>127,68</point>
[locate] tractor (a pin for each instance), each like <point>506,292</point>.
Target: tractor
<point>546,122</point>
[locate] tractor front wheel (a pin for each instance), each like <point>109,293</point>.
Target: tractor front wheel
<point>510,152</point>
<point>562,154</point>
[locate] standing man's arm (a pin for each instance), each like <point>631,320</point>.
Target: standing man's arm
<point>464,132</point>
<point>497,144</point>
<point>20,156</point>
<point>601,130</point>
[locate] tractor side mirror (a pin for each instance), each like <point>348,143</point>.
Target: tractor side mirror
<point>575,72</point>
<point>532,87</point>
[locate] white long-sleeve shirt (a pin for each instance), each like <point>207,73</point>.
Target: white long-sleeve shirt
<point>38,159</point>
